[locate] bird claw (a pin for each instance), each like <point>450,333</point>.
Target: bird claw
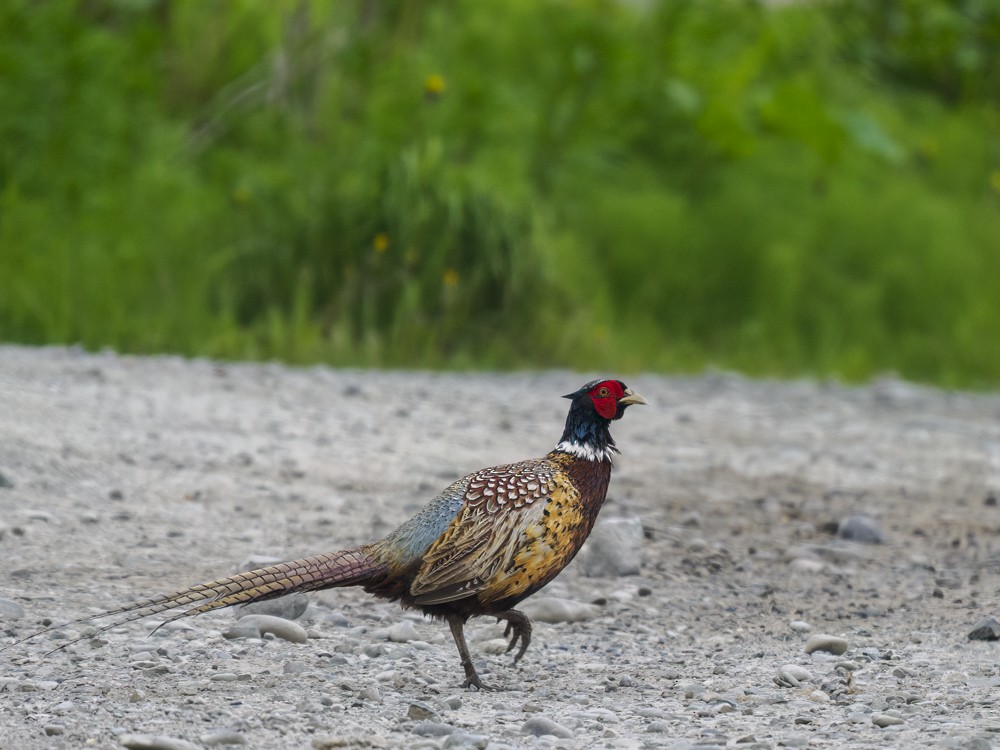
<point>518,629</point>
<point>476,683</point>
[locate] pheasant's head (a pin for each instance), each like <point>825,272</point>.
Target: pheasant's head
<point>594,407</point>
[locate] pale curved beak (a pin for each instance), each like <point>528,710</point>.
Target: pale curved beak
<point>631,397</point>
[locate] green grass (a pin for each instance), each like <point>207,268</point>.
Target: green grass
<point>810,189</point>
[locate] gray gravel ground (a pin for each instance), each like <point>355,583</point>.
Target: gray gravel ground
<point>122,477</point>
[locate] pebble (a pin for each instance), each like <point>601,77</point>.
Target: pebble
<point>614,548</point>
<point>792,675</point>
<point>493,646</point>
<point>807,565</point>
<point>10,610</point>
<point>420,711</point>
<point>337,620</point>
<point>223,737</point>
<point>403,632</point>
<point>461,738</point>
<point>155,742</point>
<point>53,730</point>
<point>835,554</point>
<point>290,607</point>
<point>859,528</point>
<point>257,626</point>
<point>800,626</point>
<point>648,712</point>
<point>433,729</point>
<point>830,643</point>
<point>987,629</point>
<point>552,610</point>
<point>692,518</point>
<point>886,720</point>
<point>542,725</point>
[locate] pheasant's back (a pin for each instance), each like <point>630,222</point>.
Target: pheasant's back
<point>405,547</point>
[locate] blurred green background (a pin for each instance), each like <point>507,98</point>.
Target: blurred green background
<point>784,189</point>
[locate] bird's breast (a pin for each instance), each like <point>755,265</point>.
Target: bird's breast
<point>551,541</point>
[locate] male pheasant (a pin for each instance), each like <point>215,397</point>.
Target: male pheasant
<point>487,542</point>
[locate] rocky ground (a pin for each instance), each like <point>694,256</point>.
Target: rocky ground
<point>126,476</point>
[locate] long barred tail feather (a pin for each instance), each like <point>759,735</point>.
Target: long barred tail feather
<point>351,567</point>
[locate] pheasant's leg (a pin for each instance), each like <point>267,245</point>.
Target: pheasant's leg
<point>457,625</point>
<point>518,624</point>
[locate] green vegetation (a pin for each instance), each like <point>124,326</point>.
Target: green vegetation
<point>810,188</point>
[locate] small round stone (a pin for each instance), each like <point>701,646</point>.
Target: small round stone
<point>403,632</point>
<point>257,626</point>
<point>222,737</point>
<point>552,610</point>
<point>155,742</point>
<point>289,607</point>
<point>987,629</point>
<point>433,729</point>
<point>832,644</point>
<point>420,711</point>
<point>792,675</point>
<point>886,720</point>
<point>860,529</point>
<point>542,725</point>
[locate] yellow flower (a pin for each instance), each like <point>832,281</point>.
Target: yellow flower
<point>434,85</point>
<point>381,242</point>
<point>450,278</point>
<point>995,179</point>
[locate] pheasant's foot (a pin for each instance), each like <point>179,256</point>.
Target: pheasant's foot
<point>518,629</point>
<point>472,680</point>
<point>476,683</point>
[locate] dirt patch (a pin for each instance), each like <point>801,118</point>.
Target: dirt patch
<point>124,476</point>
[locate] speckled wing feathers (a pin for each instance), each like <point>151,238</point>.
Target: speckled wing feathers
<point>502,505</point>
<point>516,485</point>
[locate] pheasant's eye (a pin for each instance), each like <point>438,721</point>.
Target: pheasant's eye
<point>603,393</point>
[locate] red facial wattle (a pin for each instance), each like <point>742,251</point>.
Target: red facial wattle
<point>605,397</point>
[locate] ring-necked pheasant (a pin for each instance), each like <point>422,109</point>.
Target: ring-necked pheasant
<point>487,542</point>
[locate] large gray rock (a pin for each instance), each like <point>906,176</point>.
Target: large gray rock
<point>614,548</point>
